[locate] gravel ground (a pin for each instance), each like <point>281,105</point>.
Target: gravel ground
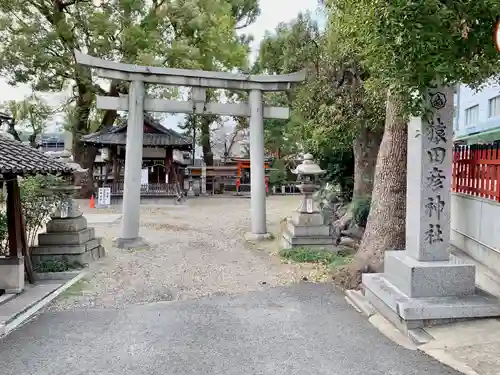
<point>197,249</point>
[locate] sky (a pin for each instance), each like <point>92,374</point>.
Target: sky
<point>272,13</point>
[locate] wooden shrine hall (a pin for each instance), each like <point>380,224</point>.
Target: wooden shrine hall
<point>162,161</point>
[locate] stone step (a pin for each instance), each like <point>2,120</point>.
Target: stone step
<point>66,225</point>
<point>486,278</point>
<point>428,279</point>
<point>66,249</point>
<point>74,260</point>
<point>356,299</point>
<point>419,336</point>
<point>411,313</point>
<point>66,238</point>
<point>300,218</point>
<point>34,298</point>
<point>23,301</point>
<point>308,240</point>
<point>4,298</point>
<point>307,230</point>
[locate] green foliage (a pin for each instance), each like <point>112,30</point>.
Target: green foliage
<point>307,255</point>
<point>31,114</point>
<point>360,210</point>
<point>3,232</point>
<point>278,176</point>
<point>339,167</point>
<point>291,47</point>
<point>332,104</point>
<point>38,202</point>
<point>407,45</point>
<point>53,265</point>
<point>37,43</point>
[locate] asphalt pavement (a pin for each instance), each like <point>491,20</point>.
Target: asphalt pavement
<point>303,329</point>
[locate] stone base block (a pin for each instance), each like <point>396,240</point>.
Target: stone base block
<point>130,243</point>
<point>66,249</point>
<point>66,238</point>
<point>287,245</point>
<point>302,219</point>
<point>12,274</point>
<point>428,279</point>
<point>257,237</point>
<point>307,230</point>
<point>74,260</point>
<point>323,242</point>
<point>409,313</point>
<point>66,225</point>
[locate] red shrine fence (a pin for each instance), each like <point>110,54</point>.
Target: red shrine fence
<point>476,170</point>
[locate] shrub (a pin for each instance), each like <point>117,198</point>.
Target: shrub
<point>38,202</point>
<point>3,232</point>
<point>53,265</point>
<point>328,196</point>
<point>308,255</point>
<point>360,210</point>
<point>277,176</point>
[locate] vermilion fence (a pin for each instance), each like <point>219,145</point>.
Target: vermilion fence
<point>476,170</point>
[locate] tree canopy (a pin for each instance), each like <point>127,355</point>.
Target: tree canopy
<point>407,45</point>
<point>333,103</point>
<point>38,39</point>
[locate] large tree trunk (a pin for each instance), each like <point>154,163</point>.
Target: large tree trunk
<point>85,154</point>
<point>385,229</point>
<point>206,146</point>
<point>366,147</point>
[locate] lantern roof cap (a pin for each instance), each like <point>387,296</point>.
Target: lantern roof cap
<point>308,167</point>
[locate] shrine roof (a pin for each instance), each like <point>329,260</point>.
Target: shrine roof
<point>21,159</point>
<point>156,135</point>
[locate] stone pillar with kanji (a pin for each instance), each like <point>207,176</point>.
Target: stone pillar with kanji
<point>420,284</point>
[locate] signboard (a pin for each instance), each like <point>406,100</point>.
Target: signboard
<point>145,176</point>
<point>104,197</point>
<point>204,179</point>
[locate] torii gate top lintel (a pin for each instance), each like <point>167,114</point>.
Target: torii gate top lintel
<point>187,77</point>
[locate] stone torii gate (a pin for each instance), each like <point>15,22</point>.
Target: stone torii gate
<point>137,102</point>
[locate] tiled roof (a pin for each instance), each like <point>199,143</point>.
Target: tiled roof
<point>148,139</point>
<point>118,136</point>
<point>22,159</point>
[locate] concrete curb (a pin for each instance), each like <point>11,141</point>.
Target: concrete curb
<point>66,275</point>
<point>440,355</point>
<point>36,307</point>
<point>357,300</point>
<point>391,332</point>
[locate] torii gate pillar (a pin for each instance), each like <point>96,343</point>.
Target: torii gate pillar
<point>129,236</point>
<point>257,170</point>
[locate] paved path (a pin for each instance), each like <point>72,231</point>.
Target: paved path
<point>302,329</point>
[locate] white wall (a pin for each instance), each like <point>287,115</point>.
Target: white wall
<point>475,229</point>
<point>466,98</point>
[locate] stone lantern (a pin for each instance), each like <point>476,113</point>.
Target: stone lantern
<point>306,227</point>
<point>307,174</point>
<point>68,207</point>
<point>67,239</point>
<point>190,192</point>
